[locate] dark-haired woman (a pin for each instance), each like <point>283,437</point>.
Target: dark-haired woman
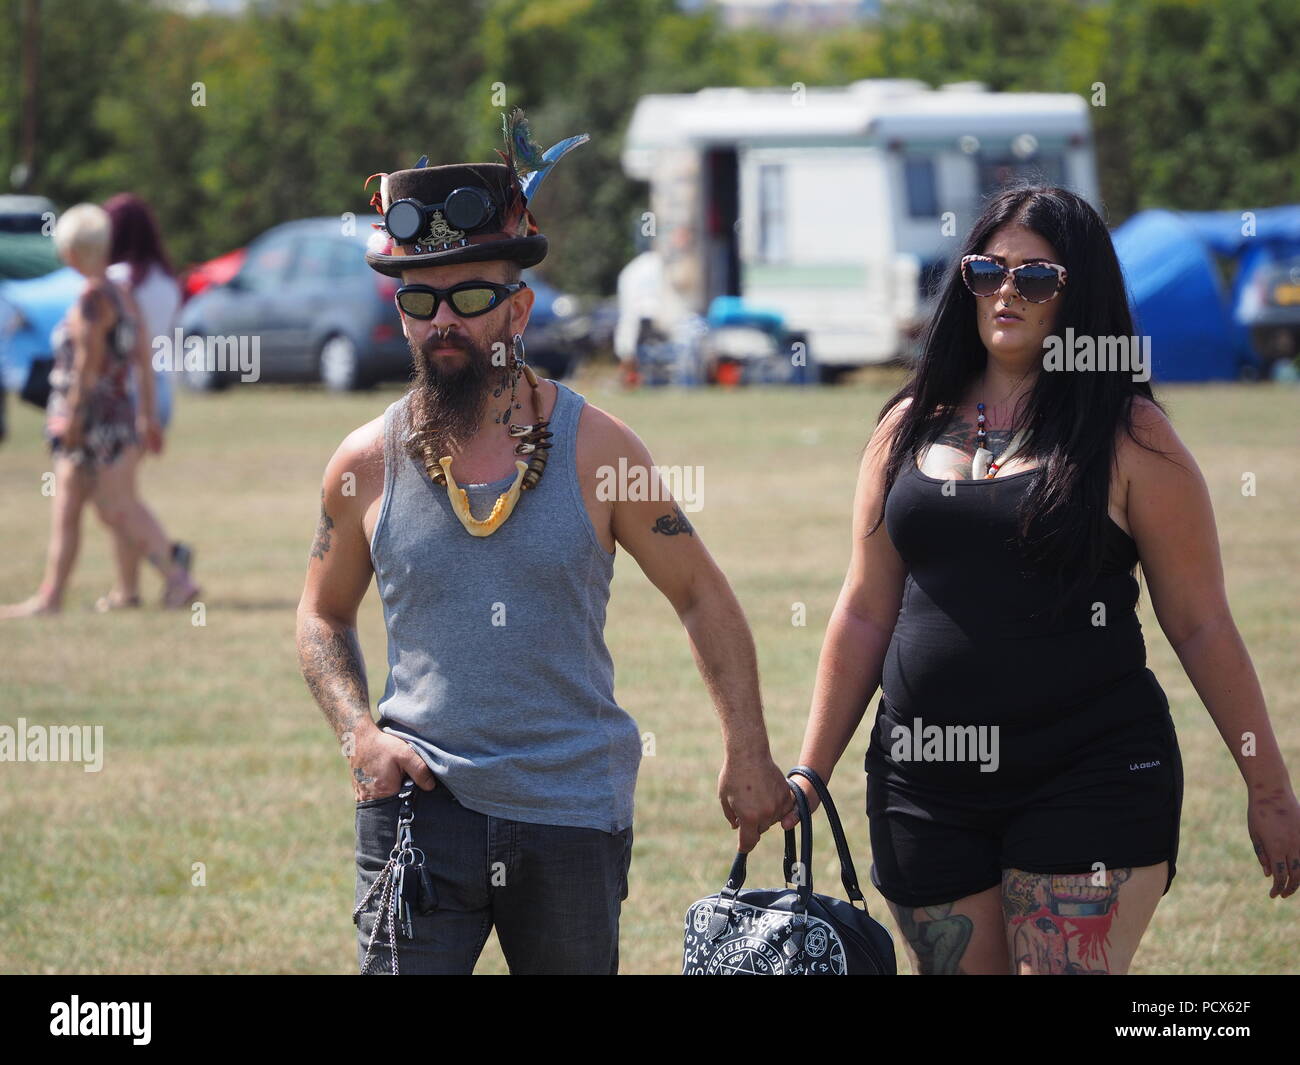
<point>139,262</point>
<point>1024,784</point>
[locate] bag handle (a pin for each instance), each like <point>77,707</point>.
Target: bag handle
<point>848,874</point>
<point>739,867</point>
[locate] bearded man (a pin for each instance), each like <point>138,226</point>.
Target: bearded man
<point>496,788</point>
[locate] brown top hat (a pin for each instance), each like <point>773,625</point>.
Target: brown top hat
<point>465,212</point>
<point>461,213</point>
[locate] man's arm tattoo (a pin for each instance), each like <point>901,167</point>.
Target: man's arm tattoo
<point>322,542</point>
<point>674,523</point>
<point>335,672</point>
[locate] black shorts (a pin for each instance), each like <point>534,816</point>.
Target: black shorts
<point>1117,801</point>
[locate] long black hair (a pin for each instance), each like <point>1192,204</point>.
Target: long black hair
<point>1072,418</point>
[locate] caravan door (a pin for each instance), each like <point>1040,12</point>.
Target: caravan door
<point>816,244</point>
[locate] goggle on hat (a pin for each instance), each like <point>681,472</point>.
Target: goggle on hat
<point>465,212</point>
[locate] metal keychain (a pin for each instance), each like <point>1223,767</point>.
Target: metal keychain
<point>400,884</point>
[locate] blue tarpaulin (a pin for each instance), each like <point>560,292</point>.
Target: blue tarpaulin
<point>1176,291</point>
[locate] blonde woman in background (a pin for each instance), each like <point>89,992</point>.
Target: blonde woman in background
<point>91,421</point>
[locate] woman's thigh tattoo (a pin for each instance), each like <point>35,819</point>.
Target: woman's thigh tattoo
<point>939,939</point>
<point>1061,923</point>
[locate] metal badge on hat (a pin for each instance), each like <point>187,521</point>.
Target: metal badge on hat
<point>439,235</point>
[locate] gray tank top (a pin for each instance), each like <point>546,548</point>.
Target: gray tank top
<point>498,671</point>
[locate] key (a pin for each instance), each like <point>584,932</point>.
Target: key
<point>428,899</point>
<point>408,886</point>
<point>400,902</point>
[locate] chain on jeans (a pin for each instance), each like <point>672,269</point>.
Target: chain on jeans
<point>402,883</point>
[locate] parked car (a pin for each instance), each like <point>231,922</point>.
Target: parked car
<point>317,311</point>
<point>26,249</point>
<point>1270,309</point>
<point>29,311</point>
<point>552,341</point>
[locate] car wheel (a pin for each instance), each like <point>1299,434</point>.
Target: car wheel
<point>340,364</point>
<point>203,378</point>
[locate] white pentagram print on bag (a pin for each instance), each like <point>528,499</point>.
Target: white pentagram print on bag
<point>754,945</point>
<point>790,931</point>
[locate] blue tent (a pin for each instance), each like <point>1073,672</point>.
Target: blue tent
<point>1176,292</point>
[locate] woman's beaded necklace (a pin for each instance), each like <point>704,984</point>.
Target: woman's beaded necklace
<point>983,466</point>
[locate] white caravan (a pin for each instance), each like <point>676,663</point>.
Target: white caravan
<point>839,208</point>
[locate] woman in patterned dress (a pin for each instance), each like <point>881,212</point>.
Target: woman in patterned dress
<point>91,421</point>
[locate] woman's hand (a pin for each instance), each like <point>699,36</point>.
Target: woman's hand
<point>791,820</point>
<point>72,436</point>
<point>1273,818</point>
<point>149,430</point>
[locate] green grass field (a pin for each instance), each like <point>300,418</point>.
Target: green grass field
<point>216,754</point>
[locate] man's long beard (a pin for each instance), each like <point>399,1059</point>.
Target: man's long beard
<point>446,405</point>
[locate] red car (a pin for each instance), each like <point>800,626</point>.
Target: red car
<point>213,272</point>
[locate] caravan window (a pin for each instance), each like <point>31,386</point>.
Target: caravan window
<point>771,213</point>
<point>922,193</point>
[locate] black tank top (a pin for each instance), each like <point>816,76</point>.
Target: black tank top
<point>977,641</point>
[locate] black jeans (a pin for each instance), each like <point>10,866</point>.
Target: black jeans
<point>553,892</point>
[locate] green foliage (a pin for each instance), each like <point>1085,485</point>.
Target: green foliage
<point>302,100</point>
<point>1202,97</point>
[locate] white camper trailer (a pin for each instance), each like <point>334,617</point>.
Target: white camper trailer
<point>839,208</point>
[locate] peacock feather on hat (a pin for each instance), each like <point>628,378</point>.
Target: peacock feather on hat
<point>524,155</point>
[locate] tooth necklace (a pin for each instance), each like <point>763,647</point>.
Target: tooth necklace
<point>533,440</point>
<point>982,466</point>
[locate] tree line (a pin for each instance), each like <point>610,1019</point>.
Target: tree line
<point>229,122</point>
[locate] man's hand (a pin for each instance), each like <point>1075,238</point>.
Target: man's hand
<point>658,535</point>
<point>754,794</point>
<point>381,762</point>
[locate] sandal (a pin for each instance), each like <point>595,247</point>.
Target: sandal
<point>113,601</point>
<point>180,592</point>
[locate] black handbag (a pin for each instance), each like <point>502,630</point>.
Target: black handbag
<point>790,931</point>
<point>36,390</point>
